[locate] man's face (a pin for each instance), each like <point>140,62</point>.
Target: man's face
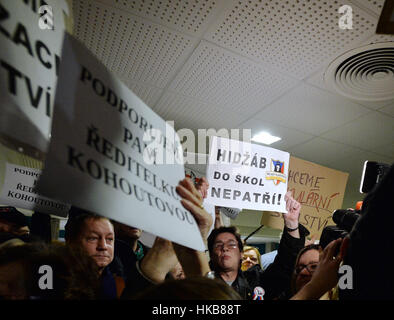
<point>226,254</point>
<point>6,226</point>
<point>97,239</point>
<point>305,267</point>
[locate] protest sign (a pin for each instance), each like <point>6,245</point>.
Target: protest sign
<point>112,155</point>
<point>319,189</point>
<point>247,176</point>
<point>30,39</point>
<point>19,191</point>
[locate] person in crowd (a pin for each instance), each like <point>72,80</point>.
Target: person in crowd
<point>250,257</point>
<point>164,255</point>
<point>41,226</point>
<point>95,234</point>
<point>225,249</point>
<point>325,275</point>
<point>372,237</point>
<point>13,224</point>
<point>305,265</point>
<point>176,273</point>
<point>72,274</point>
<point>128,249</point>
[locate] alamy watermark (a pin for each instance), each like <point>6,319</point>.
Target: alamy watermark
<point>46,21</point>
<point>345,22</point>
<point>46,280</point>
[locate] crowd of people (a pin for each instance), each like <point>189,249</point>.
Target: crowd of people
<point>104,259</point>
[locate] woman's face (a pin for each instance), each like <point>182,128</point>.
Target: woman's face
<point>305,267</point>
<point>249,259</point>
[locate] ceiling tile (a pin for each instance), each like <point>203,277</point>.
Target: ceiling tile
<point>185,16</point>
<point>296,37</point>
<point>388,109</point>
<point>386,150</point>
<point>311,110</point>
<point>290,137</point>
<point>375,6</point>
<point>132,47</point>
<point>150,95</point>
<point>369,131</point>
<point>322,151</point>
<point>219,77</point>
<point>195,114</point>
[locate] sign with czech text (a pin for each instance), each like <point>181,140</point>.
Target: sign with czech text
<point>30,40</point>
<point>113,155</point>
<point>248,176</point>
<point>319,190</point>
<point>19,191</point>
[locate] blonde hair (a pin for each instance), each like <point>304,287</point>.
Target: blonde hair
<point>248,248</point>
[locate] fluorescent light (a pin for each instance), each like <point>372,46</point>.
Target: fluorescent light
<point>265,137</point>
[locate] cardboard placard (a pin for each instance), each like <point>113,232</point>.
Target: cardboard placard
<point>319,189</point>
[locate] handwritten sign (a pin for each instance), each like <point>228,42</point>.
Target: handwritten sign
<point>112,155</point>
<point>19,191</point>
<point>248,176</point>
<point>319,189</point>
<point>29,66</point>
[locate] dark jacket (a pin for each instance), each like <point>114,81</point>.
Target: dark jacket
<point>126,257</point>
<point>276,278</point>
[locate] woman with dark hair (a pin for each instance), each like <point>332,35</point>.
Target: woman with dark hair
<point>306,264</point>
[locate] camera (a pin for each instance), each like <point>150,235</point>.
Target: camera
<point>373,172</point>
<point>345,220</point>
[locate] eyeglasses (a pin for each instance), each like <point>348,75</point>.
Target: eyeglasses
<point>221,245</point>
<point>253,259</point>
<point>311,267</point>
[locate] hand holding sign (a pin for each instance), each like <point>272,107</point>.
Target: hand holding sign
<point>194,263</point>
<point>202,186</point>
<point>192,201</point>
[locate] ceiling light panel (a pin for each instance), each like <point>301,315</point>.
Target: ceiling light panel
<point>291,138</point>
<point>295,37</point>
<point>131,47</point>
<point>219,77</point>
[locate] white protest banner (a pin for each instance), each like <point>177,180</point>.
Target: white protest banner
<point>112,155</point>
<point>248,176</point>
<point>31,35</point>
<point>19,191</point>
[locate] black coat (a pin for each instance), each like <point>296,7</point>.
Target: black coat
<point>276,278</point>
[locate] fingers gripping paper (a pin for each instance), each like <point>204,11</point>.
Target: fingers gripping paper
<point>111,154</point>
